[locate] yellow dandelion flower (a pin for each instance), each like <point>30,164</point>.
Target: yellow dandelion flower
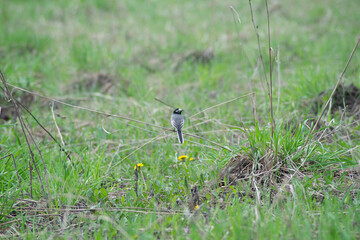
<point>191,159</point>
<point>139,165</point>
<point>196,207</point>
<point>182,157</point>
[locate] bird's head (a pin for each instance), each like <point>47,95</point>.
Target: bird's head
<point>178,111</point>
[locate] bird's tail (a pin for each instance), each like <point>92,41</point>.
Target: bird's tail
<point>180,136</point>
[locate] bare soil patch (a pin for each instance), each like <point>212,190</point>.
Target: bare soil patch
<point>346,98</point>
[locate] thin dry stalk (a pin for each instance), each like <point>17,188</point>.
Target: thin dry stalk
<point>89,109</point>
<point>220,104</point>
<point>279,79</point>
<point>274,59</point>
<point>51,136</point>
<point>200,123</point>
<point>136,179</point>
<point>269,85</point>
<point>166,104</point>
<point>258,195</point>
<point>270,70</point>
<point>30,171</point>
<point>24,130</point>
<point>270,61</point>
<point>137,149</point>
<point>217,144</point>
<point>66,207</point>
<point>143,145</point>
<point>113,115</point>
<point>57,127</point>
<point>237,20</point>
<point>202,145</point>
<point>259,46</point>
<point>336,86</point>
<point>41,157</point>
<point>9,222</point>
<point>78,210</point>
<point>306,144</point>
<point>253,99</point>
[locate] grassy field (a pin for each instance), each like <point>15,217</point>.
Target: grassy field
<point>86,70</point>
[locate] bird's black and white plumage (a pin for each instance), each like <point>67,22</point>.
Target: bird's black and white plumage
<point>177,120</point>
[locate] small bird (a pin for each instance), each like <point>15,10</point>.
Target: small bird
<point>177,120</point>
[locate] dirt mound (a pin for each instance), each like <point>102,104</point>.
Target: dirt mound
<point>346,97</point>
<point>203,57</point>
<point>93,81</point>
<point>275,175</point>
<point>7,109</point>
<point>264,171</point>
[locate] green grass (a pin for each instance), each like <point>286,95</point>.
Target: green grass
<point>52,47</point>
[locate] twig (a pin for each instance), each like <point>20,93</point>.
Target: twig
<point>324,109</point>
<point>217,144</point>
<point>89,109</point>
<point>202,145</point>
<point>258,195</point>
<point>274,59</point>
<point>138,148</point>
<point>211,120</point>
<point>279,79</point>
<point>74,210</point>
<point>159,100</point>
<point>57,127</point>
<point>51,136</point>
<point>349,150</point>
<point>136,180</point>
<point>253,99</point>
<point>270,75</point>
<point>41,157</point>
<point>126,118</point>
<point>217,105</point>
<point>336,86</point>
<point>142,176</point>
<point>30,171</point>
<point>5,223</point>
<point>235,22</point>
<point>24,130</point>
<point>259,46</point>
<point>67,207</point>
<point>150,141</point>
<point>234,12</point>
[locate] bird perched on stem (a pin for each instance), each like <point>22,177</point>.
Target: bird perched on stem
<point>177,120</point>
